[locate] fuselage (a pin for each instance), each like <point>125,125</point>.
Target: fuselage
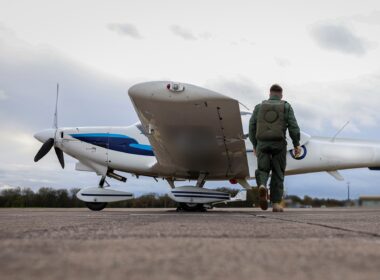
<point>127,149</point>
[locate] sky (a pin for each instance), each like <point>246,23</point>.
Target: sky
<point>324,54</point>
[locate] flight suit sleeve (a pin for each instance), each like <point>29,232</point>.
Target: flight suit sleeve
<point>294,130</point>
<point>253,127</point>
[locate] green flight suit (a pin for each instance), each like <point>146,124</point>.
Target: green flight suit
<point>271,155</point>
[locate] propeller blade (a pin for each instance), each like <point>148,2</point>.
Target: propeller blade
<point>55,122</point>
<point>61,159</point>
<point>45,148</point>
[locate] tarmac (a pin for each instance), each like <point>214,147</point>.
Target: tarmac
<point>163,244</point>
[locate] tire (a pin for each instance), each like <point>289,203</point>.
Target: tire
<point>192,207</point>
<point>96,206</point>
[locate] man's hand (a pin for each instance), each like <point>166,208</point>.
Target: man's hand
<point>254,152</point>
<point>297,151</point>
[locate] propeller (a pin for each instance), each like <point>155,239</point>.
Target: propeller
<point>60,157</point>
<point>48,137</point>
<point>45,148</point>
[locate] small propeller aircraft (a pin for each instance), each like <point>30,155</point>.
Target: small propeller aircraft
<point>188,133</point>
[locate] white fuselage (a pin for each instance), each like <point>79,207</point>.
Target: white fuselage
<point>127,149</point>
<point>95,149</point>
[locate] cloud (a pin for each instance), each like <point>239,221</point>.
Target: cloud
<point>323,108</point>
<point>182,32</point>
<point>282,62</point>
<point>3,95</point>
<point>28,77</point>
<point>205,35</point>
<point>6,187</point>
<point>372,18</point>
<point>336,37</point>
<point>187,34</point>
<point>241,88</point>
<point>246,41</point>
<point>126,29</point>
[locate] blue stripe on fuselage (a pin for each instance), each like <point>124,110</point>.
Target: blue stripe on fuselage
<point>116,142</point>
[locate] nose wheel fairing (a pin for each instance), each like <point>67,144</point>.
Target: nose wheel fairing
<point>103,195</point>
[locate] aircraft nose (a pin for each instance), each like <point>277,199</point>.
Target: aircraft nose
<point>44,135</point>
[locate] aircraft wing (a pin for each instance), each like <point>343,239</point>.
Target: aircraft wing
<point>192,130</point>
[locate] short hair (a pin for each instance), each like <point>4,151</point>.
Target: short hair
<point>276,88</point>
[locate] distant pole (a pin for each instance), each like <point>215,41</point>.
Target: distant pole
<point>348,191</point>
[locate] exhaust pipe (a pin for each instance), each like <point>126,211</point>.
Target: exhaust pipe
<point>116,176</point>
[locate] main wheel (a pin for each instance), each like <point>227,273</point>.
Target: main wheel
<point>191,207</point>
<point>96,206</point>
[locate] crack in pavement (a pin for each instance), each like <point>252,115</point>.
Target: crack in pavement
<point>372,234</point>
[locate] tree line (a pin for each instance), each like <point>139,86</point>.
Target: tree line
<point>63,198</point>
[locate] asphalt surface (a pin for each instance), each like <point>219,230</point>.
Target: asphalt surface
<point>164,244</point>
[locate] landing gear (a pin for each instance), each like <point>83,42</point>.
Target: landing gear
<point>102,181</point>
<point>97,198</point>
<point>96,206</point>
<point>182,194</point>
<point>191,207</point>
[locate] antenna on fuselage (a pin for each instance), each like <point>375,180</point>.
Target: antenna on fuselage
<point>55,123</point>
<point>339,131</point>
<point>246,107</point>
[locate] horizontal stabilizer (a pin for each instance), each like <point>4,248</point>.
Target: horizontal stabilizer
<point>240,196</point>
<point>336,175</point>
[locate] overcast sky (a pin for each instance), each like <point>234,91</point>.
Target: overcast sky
<point>325,54</point>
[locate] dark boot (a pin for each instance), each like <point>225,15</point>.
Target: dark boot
<point>263,197</point>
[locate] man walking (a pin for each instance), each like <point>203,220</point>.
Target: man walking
<point>267,132</point>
